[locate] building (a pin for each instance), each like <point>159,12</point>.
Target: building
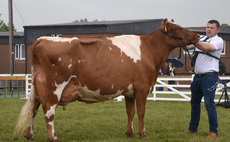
<point>19,53</point>
<point>23,41</point>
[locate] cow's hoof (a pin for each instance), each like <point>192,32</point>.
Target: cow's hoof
<point>129,134</point>
<point>56,140</point>
<point>28,138</point>
<point>142,135</point>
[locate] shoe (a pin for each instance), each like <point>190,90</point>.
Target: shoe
<point>211,135</point>
<point>187,132</point>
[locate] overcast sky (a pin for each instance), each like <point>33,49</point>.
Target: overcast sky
<point>187,13</point>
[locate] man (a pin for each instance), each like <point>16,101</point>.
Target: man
<point>206,78</point>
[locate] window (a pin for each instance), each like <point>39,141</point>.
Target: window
<point>224,48</point>
<point>20,52</point>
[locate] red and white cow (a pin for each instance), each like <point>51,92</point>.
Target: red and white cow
<point>98,69</point>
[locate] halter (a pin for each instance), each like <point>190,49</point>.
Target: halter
<point>185,41</point>
<point>174,37</point>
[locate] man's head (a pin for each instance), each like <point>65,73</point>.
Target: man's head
<point>212,28</point>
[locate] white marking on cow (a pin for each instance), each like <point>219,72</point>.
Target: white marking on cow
<point>53,65</point>
<point>173,23</point>
<point>69,66</point>
<point>112,87</point>
<point>59,59</point>
<point>53,131</point>
<point>150,90</point>
<point>110,48</point>
<point>59,39</point>
<point>130,92</point>
<point>79,61</point>
<point>129,44</point>
<point>132,126</point>
<point>130,86</point>
<point>60,87</point>
<point>94,96</point>
<point>51,111</point>
<point>31,128</point>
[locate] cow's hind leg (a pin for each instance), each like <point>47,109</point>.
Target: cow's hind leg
<point>30,130</point>
<point>130,110</point>
<point>141,97</point>
<point>49,111</point>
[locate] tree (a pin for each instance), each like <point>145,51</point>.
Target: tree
<point>81,20</point>
<point>4,27</point>
<point>224,24</point>
<point>84,20</point>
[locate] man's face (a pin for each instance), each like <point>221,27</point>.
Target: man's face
<point>211,30</point>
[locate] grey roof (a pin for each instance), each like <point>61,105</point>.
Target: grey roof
<point>15,34</point>
<point>18,37</point>
<point>138,27</point>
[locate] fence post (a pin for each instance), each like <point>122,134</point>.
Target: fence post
<point>27,86</point>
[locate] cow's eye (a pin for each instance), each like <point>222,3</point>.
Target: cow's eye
<point>176,30</point>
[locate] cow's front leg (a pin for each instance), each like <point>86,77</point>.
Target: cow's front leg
<point>130,110</point>
<point>141,97</point>
<point>49,111</point>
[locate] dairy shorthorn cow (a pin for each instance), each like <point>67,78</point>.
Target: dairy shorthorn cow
<point>98,69</point>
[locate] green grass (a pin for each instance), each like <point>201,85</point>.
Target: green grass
<point>15,92</point>
<point>106,122</point>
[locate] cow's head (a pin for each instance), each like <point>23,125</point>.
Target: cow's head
<point>177,35</point>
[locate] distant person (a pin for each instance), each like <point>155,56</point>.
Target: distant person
<point>170,71</point>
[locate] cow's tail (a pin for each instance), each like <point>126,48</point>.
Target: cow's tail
<point>34,57</point>
<point>26,115</point>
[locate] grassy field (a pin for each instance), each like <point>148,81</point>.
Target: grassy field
<point>106,122</point>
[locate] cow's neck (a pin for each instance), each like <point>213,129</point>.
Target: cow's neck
<point>159,46</point>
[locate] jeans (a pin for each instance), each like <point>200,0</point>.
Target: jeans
<point>203,87</point>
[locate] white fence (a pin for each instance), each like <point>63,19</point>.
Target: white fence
<point>179,91</point>
<point>180,88</point>
<point>28,84</point>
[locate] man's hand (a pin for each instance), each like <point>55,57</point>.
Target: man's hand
<point>189,47</point>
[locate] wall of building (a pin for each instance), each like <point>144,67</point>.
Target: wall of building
<point>4,59</point>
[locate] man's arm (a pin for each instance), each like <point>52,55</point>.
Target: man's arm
<point>206,47</point>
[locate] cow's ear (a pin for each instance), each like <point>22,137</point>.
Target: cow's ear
<point>172,21</point>
<point>165,24</point>
<point>165,21</point>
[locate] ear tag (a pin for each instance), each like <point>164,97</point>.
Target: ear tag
<point>165,29</point>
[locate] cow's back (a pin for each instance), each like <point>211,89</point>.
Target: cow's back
<point>95,64</point>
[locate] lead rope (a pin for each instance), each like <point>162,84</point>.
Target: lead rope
<point>186,51</point>
<point>180,53</point>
